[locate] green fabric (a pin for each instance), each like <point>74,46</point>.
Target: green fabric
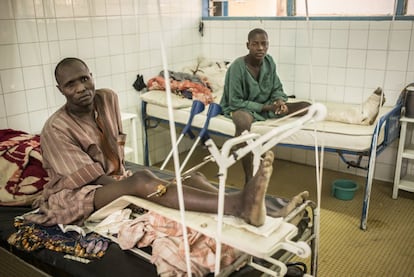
<point>242,91</point>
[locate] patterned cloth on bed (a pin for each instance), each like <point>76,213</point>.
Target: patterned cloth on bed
<point>30,237</point>
<point>22,176</point>
<point>184,85</point>
<point>168,248</point>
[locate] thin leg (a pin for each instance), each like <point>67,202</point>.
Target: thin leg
<point>243,121</point>
<point>297,106</point>
<point>248,204</point>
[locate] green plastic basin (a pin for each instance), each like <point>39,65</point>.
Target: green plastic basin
<point>344,189</point>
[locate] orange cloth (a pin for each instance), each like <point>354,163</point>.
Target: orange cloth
<point>198,91</point>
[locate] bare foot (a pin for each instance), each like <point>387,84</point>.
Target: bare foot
<point>293,204</point>
<point>254,208</point>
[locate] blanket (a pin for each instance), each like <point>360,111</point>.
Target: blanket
<point>22,176</point>
<point>183,86</point>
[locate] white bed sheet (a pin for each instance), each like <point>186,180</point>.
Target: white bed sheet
<point>330,134</point>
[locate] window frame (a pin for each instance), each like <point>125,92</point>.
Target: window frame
<point>400,10</point>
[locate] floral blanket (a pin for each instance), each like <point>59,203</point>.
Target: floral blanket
<point>22,176</point>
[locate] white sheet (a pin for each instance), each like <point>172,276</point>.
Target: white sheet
<point>330,134</point>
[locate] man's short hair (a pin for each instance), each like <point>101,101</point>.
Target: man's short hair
<point>254,32</point>
<point>67,61</point>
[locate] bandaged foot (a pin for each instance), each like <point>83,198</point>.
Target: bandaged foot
<point>372,105</point>
<point>364,115</point>
<point>254,208</point>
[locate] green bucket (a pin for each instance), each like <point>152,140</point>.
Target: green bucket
<point>344,189</point>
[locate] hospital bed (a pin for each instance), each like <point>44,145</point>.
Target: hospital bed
<point>263,242</point>
<point>286,243</point>
<point>356,145</point>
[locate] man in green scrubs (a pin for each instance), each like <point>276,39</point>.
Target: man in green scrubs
<point>253,91</point>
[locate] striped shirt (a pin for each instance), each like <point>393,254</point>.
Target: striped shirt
<point>74,158</point>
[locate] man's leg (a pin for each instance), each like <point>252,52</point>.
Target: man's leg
<point>297,106</point>
<point>243,121</point>
<point>248,204</point>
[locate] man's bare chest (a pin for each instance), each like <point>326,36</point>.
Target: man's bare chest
<point>254,71</point>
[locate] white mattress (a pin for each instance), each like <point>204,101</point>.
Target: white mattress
<point>330,134</point>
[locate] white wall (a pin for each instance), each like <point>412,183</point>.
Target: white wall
<point>117,38</point>
<point>349,60</point>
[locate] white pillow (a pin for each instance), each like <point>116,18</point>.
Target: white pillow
<point>159,97</point>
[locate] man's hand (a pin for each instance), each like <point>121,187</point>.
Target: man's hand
<point>280,107</point>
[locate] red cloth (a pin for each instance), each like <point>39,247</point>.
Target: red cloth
<point>22,174</point>
<point>198,91</point>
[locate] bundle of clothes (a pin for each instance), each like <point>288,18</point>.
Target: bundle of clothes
<point>198,82</point>
<point>184,85</point>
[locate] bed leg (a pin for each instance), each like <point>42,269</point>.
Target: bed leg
<point>370,177</point>
<point>144,121</point>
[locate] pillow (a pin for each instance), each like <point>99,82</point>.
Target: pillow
<point>159,97</point>
<point>215,75</point>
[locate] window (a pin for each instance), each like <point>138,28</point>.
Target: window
<point>410,7</point>
<point>316,8</point>
<point>345,8</point>
<point>244,8</point>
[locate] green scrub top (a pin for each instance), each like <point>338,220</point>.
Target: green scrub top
<point>243,92</point>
